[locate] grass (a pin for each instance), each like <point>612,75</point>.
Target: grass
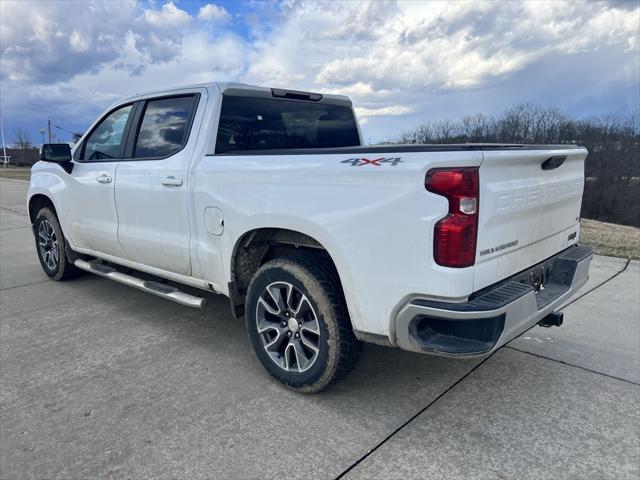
<point>16,173</point>
<point>605,238</point>
<point>611,239</point>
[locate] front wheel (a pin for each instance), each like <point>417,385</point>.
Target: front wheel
<point>50,246</point>
<point>298,323</point>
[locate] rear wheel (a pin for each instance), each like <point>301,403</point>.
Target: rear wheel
<point>50,246</point>
<point>298,323</point>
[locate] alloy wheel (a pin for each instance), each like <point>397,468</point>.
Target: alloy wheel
<point>288,327</point>
<point>48,245</point>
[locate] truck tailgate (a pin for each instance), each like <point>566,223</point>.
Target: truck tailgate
<point>529,209</point>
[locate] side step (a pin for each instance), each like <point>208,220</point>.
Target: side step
<point>156,288</point>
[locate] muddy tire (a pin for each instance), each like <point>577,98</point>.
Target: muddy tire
<point>50,246</point>
<point>298,323</point>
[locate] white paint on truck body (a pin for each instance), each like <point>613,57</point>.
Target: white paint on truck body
<point>376,221</point>
<point>520,202</point>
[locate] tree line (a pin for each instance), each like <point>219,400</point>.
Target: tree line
<point>612,168</point>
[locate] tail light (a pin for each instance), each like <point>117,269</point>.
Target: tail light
<point>454,240</point>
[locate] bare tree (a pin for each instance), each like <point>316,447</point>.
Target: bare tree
<point>475,128</point>
<point>22,140</point>
<point>445,130</point>
<point>420,134</point>
<point>612,187</point>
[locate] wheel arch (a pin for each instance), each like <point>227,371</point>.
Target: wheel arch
<point>257,246</point>
<point>36,203</point>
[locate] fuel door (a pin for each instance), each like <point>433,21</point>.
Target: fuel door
<point>214,220</point>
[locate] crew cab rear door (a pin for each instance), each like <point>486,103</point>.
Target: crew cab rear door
<point>151,192</point>
<point>529,209</point>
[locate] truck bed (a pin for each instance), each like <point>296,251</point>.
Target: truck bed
<point>402,148</point>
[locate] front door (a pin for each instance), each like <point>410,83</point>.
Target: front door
<point>91,205</point>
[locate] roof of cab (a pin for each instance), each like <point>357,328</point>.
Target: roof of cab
<point>224,86</point>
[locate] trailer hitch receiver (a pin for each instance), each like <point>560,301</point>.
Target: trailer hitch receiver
<point>554,319</point>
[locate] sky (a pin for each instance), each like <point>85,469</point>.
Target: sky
<point>402,63</point>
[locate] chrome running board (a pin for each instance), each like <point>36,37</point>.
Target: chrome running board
<point>156,288</point>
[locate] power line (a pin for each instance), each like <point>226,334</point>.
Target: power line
<point>75,134</point>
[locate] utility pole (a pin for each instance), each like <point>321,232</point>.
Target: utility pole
<point>42,133</point>
<point>4,149</point>
<point>49,127</point>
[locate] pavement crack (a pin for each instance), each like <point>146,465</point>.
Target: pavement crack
<point>599,285</point>
<point>576,299</point>
<point>13,228</point>
<point>13,180</point>
<point>622,270</point>
<point>411,419</point>
<point>13,211</point>
<point>452,386</point>
<point>573,365</point>
<point>24,285</point>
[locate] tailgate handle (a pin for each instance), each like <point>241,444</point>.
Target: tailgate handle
<point>553,162</point>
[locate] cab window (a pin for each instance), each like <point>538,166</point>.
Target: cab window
<point>165,126</point>
<point>257,123</point>
<point>107,139</point>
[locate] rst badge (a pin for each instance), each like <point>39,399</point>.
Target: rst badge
<point>374,162</point>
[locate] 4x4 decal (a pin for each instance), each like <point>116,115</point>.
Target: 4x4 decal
<point>376,162</point>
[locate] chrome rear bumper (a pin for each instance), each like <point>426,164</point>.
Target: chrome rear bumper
<point>495,315</point>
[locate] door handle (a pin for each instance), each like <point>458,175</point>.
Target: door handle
<point>172,181</point>
<point>104,178</point>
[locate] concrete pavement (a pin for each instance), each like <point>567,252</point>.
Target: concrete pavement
<point>98,380</point>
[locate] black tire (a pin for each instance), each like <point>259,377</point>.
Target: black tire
<point>338,349</point>
<point>51,251</point>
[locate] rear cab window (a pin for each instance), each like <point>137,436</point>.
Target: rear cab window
<point>164,129</point>
<point>261,123</point>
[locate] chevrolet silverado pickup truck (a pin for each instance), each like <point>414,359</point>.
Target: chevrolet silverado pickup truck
<point>268,196</point>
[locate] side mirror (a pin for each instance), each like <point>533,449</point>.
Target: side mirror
<point>55,152</point>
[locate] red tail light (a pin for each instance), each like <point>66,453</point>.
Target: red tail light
<point>454,239</point>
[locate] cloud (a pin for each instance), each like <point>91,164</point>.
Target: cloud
<point>398,58</point>
<point>72,66</point>
<point>432,47</point>
<point>53,41</point>
<point>364,112</point>
<point>168,16</point>
<point>213,13</point>
<point>79,41</point>
<point>399,61</point>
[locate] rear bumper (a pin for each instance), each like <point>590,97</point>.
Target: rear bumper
<point>495,315</point>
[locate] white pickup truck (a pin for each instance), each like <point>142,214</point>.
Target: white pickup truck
<point>267,196</point>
